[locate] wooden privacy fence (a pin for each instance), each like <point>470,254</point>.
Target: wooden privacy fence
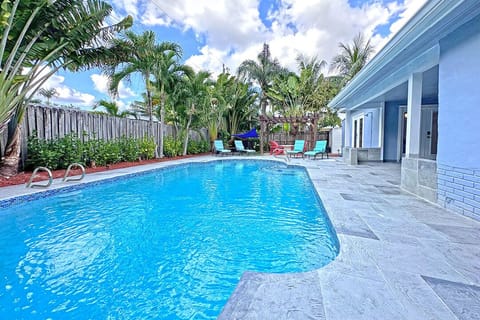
<point>54,122</point>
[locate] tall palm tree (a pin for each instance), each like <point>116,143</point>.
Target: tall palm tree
<point>140,107</point>
<point>141,57</point>
<point>196,92</point>
<point>45,37</point>
<point>352,58</point>
<point>136,59</point>
<point>263,73</point>
<point>311,79</point>
<point>48,93</point>
<point>166,72</point>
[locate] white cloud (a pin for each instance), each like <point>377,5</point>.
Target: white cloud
<point>224,24</point>
<point>126,6</point>
<point>100,83</point>
<point>406,11</point>
<point>410,8</point>
<point>66,95</point>
<point>232,31</point>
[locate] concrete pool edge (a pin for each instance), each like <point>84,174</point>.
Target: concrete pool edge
<point>10,193</point>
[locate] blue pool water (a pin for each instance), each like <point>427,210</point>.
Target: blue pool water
<point>170,243</point>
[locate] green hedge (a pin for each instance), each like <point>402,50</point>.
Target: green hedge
<point>59,153</point>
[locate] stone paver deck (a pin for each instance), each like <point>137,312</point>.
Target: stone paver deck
<point>400,257</point>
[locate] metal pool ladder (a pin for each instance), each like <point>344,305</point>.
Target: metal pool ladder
<point>30,183</point>
<point>67,178</point>
<point>285,155</point>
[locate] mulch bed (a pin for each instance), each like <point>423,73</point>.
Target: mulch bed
<point>23,177</point>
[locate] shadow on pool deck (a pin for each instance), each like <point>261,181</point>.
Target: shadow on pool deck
<point>400,257</point>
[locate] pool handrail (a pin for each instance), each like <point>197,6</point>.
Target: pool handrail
<point>39,185</point>
<point>75,164</point>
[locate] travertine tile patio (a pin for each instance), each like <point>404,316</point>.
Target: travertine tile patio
<point>400,257</point>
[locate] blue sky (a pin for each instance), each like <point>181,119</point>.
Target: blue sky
<point>217,33</point>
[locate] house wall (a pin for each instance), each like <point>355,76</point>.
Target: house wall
<point>458,155</point>
<point>370,126</point>
<point>343,135</point>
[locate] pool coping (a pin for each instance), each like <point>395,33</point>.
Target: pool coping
<point>368,279</point>
<point>10,195</point>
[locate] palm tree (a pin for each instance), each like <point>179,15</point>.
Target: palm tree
<point>352,58</point>
<point>45,37</point>
<point>195,87</point>
<point>311,80</point>
<point>240,99</point>
<point>48,93</point>
<point>262,73</point>
<point>286,96</point>
<point>166,72</point>
<point>112,109</point>
<point>137,58</point>
<point>140,107</point>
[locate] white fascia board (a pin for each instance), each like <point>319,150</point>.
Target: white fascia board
<point>397,77</point>
<point>432,22</point>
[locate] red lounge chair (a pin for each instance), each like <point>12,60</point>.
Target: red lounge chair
<point>275,148</point>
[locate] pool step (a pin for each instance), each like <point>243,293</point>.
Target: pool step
<point>275,296</point>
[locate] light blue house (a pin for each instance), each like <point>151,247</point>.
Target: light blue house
<point>418,102</point>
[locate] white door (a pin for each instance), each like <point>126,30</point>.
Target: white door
<point>357,132</point>
<point>429,132</point>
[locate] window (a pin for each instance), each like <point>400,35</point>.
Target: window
<point>358,132</point>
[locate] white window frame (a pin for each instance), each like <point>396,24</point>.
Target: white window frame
<point>356,135</point>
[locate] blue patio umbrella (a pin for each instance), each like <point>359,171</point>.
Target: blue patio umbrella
<point>249,134</point>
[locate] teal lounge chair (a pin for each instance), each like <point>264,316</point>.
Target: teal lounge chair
<point>297,148</point>
<point>219,149</point>
<point>240,148</point>
<point>320,148</point>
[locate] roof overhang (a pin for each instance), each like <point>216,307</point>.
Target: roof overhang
<point>415,48</point>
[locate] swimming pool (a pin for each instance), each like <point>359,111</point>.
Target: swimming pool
<point>170,243</point>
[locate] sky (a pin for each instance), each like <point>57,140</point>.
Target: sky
<point>217,34</point>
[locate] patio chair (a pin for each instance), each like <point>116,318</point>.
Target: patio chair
<point>320,148</point>
<point>275,148</point>
<point>219,149</point>
<point>297,148</point>
<point>240,148</point>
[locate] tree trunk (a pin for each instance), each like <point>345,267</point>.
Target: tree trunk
<point>262,132</point>
<point>162,121</point>
<point>150,119</point>
<point>262,126</point>
<point>11,160</point>
<point>185,144</point>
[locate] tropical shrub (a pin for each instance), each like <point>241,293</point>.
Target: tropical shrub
<point>69,150</point>
<point>129,148</point>
<point>41,153</point>
<point>172,147</point>
<point>147,148</point>
<point>195,147</point>
<point>60,153</point>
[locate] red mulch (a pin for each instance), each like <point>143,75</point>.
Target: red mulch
<point>23,177</point>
